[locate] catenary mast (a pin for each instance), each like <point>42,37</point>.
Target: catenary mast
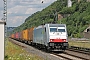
<point>5,15</point>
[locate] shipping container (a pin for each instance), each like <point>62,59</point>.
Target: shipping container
<point>25,35</point>
<point>20,35</point>
<point>17,35</point>
<point>30,32</point>
<point>12,36</point>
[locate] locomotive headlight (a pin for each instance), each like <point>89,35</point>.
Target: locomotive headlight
<point>51,40</point>
<point>64,40</point>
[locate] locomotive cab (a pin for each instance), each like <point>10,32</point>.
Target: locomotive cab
<point>57,37</point>
<point>51,36</point>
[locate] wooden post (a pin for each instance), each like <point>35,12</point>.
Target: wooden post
<point>2,24</point>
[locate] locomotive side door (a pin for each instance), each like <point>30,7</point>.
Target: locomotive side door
<point>45,36</point>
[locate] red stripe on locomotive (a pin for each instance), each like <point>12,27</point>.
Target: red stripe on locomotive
<point>57,40</point>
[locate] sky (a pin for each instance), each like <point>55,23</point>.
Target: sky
<point>19,10</point>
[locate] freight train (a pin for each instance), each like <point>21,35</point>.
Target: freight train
<point>49,36</point>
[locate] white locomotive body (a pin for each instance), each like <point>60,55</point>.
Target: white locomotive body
<point>51,36</point>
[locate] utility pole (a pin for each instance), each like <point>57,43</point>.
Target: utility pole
<point>5,15</point>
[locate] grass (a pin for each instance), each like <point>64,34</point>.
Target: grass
<point>14,52</point>
<point>84,44</point>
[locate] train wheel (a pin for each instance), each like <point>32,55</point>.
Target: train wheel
<point>26,42</point>
<point>29,42</point>
<point>48,49</point>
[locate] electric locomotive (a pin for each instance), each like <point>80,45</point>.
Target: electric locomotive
<point>51,36</point>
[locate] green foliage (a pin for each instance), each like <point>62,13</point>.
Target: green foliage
<point>77,17</point>
<point>67,10</point>
<point>79,20</point>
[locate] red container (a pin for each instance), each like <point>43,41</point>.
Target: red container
<point>17,35</point>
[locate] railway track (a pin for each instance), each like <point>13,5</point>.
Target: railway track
<point>79,51</point>
<point>80,48</point>
<point>65,55</point>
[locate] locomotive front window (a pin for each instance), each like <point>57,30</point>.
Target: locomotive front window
<point>61,30</point>
<point>53,29</point>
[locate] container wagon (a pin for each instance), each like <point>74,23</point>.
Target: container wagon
<point>17,36</point>
<point>51,36</point>
<point>21,36</point>
<point>12,36</point>
<point>30,34</point>
<point>25,35</point>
